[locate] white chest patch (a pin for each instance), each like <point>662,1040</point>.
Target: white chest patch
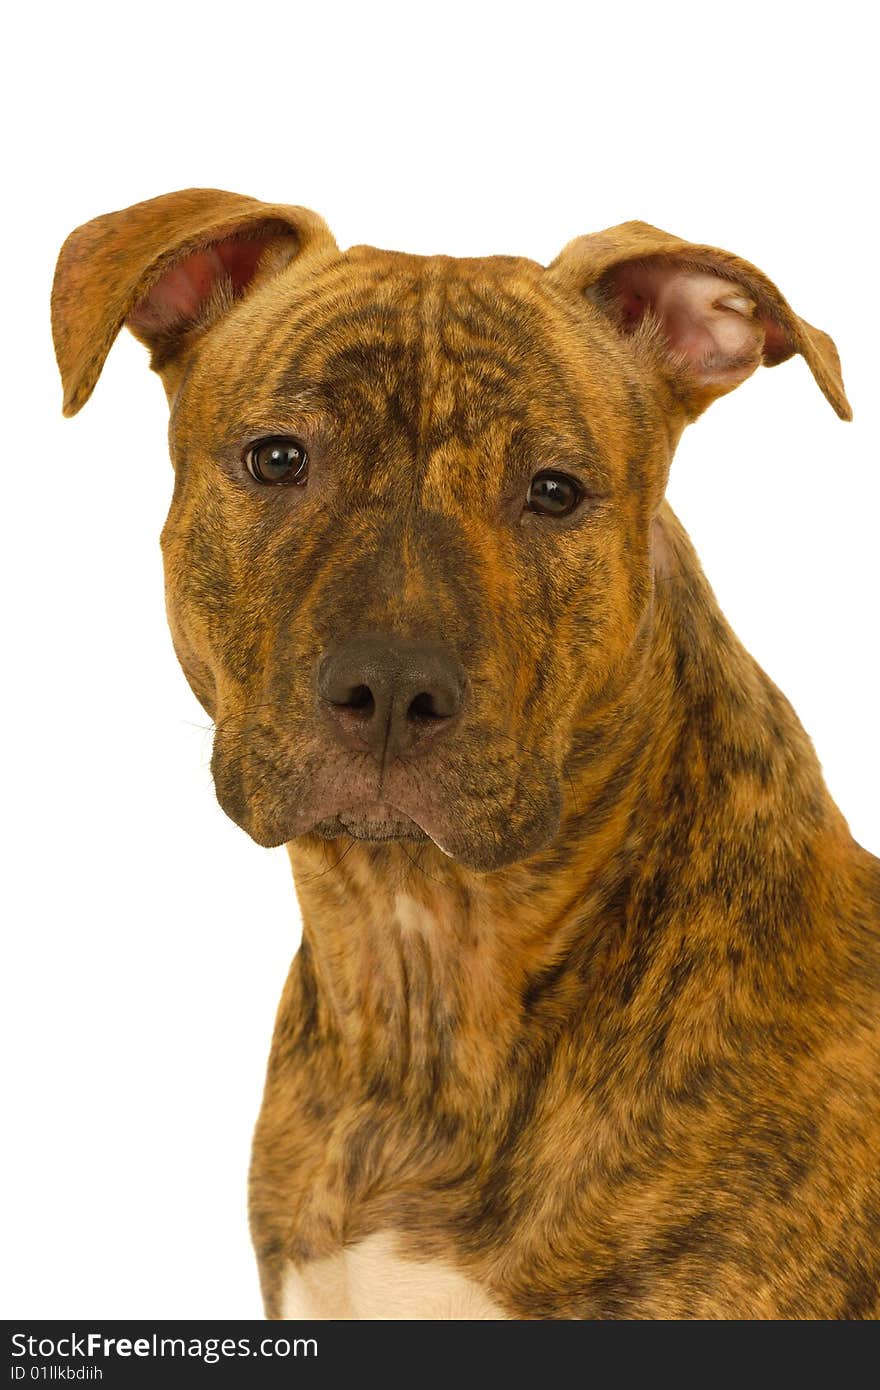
<point>413,916</point>
<point>371,1281</point>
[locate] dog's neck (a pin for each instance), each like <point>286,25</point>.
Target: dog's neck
<point>418,976</point>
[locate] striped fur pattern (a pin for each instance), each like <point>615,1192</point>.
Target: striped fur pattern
<point>591,1021</point>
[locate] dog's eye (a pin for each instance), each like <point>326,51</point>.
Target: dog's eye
<point>277,461</point>
<point>553,494</point>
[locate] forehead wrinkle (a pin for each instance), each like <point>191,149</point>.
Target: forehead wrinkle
<point>334,289</point>
<point>475,380</point>
<point>344,333</point>
<point>331,320</point>
<point>557,376</point>
<point>531,407</point>
<point>265,322</point>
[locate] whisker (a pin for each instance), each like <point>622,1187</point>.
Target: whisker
<point>417,865</point>
<point>532,753</point>
<point>335,865</point>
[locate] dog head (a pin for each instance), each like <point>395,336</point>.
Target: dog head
<point>411,547</point>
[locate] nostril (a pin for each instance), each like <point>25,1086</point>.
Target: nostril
<point>360,699</point>
<point>429,704</point>
<point>424,706</point>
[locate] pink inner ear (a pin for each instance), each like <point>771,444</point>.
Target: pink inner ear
<point>179,295</point>
<point>710,322</point>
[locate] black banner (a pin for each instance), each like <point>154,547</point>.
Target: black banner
<point>316,1353</point>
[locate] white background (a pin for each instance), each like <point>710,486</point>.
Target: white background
<point>147,938</point>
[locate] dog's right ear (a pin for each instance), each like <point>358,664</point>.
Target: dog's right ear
<point>166,268</point>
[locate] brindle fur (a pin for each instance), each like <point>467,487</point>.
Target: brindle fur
<point>617,1056</point>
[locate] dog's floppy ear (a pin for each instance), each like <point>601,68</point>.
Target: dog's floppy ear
<point>164,267</point>
<point>706,317</point>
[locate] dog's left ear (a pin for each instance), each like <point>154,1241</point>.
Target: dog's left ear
<point>706,318</point>
<point>168,268</point>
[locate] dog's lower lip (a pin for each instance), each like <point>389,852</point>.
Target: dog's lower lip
<point>377,820</point>
<point>373,815</point>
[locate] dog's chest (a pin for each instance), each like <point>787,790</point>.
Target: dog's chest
<point>371,1280</point>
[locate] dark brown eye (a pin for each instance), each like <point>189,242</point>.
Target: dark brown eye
<point>277,461</point>
<point>553,494</point>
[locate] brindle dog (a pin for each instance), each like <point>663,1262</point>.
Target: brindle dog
<point>584,1023</point>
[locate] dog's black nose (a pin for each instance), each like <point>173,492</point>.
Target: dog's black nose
<point>389,693</point>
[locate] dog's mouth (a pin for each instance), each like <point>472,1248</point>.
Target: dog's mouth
<point>471,813</point>
<point>374,821</point>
